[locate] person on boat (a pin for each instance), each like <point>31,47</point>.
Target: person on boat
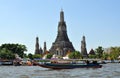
<point>87,62</point>
<point>94,62</point>
<point>17,62</point>
<point>34,63</point>
<point>29,63</point>
<point>54,61</point>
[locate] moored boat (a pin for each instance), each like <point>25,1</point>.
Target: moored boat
<point>6,62</point>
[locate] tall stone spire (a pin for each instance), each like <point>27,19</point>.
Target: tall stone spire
<point>40,51</point>
<point>62,29</point>
<point>62,43</point>
<point>83,48</point>
<point>37,51</point>
<point>45,48</point>
<point>61,16</point>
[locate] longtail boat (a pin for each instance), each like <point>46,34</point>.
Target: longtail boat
<point>63,64</point>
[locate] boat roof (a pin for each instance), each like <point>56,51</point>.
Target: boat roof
<point>70,59</point>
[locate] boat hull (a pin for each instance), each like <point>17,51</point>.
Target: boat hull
<point>69,66</point>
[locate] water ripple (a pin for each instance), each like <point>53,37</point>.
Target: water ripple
<point>107,71</point>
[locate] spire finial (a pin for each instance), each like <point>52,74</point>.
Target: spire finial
<point>37,39</point>
<point>61,9</point>
<point>61,16</point>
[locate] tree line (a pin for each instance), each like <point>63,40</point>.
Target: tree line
<point>8,51</point>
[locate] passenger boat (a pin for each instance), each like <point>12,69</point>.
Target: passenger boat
<point>69,65</point>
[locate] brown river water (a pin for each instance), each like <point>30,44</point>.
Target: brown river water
<point>107,71</point>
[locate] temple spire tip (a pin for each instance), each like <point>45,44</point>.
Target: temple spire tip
<point>62,15</point>
<point>61,9</point>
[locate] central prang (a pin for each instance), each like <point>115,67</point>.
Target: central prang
<point>62,44</point>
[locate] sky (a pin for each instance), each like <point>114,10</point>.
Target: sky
<point>21,21</point>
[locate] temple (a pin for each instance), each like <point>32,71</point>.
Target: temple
<point>37,49</point>
<point>83,48</point>
<point>62,43</point>
<point>45,48</point>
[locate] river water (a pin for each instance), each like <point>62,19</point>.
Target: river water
<point>107,71</point>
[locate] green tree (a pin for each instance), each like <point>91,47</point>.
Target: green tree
<point>6,54</point>
<point>92,56</point>
<point>49,56</point>
<point>37,56</point>
<point>99,51</point>
<point>25,55</point>
<point>15,48</point>
<point>75,55</point>
<point>30,56</point>
<point>105,56</point>
<point>114,52</point>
